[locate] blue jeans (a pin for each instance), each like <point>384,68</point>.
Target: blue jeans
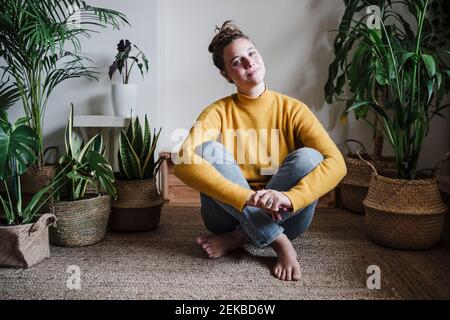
<point>254,223</point>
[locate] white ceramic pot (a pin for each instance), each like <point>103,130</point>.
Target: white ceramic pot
<point>124,99</point>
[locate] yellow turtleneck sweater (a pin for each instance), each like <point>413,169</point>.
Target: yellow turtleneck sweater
<point>270,127</point>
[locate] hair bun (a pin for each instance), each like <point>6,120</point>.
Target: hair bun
<point>224,35</point>
<point>228,32</point>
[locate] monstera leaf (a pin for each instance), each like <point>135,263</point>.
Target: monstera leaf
<point>18,146</point>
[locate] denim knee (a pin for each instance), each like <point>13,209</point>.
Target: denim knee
<point>214,152</point>
<point>305,159</point>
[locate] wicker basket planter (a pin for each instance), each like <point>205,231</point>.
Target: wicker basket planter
<point>82,222</point>
<point>355,185</point>
<point>404,214</point>
<point>22,246</point>
<point>35,179</point>
<point>137,207</point>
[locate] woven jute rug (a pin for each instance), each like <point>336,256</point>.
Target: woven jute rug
<point>168,264</point>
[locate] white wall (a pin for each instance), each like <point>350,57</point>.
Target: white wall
<point>290,34</point>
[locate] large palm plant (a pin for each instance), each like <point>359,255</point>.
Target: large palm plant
<point>40,46</point>
<point>413,73</point>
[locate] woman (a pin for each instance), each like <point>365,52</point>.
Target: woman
<point>244,198</point>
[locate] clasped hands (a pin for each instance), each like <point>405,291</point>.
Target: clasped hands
<point>272,201</point>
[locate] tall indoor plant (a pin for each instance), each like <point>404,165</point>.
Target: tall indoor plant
<point>416,77</point>
<point>82,215</point>
<point>354,74</point>
<point>138,204</point>
<point>124,95</point>
<point>405,210</point>
<point>40,45</point>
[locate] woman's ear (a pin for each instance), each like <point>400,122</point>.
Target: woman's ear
<point>226,76</point>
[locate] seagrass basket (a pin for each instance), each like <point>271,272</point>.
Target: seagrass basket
<point>137,207</point>
<point>35,179</point>
<point>81,222</point>
<point>405,214</point>
<point>355,185</point>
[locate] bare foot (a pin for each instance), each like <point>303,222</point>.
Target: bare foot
<point>219,245</point>
<point>287,267</point>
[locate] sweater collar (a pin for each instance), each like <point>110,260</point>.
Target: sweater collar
<point>247,101</point>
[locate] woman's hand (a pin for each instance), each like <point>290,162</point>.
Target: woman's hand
<point>272,201</point>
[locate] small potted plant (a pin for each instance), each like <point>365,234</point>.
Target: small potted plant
<point>24,238</point>
<point>138,204</point>
<point>124,95</point>
<point>82,216</point>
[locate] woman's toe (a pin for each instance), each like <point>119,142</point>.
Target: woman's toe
<point>288,274</point>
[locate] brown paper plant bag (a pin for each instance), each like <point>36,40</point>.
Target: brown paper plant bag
<point>22,246</point>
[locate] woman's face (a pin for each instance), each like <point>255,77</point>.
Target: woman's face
<point>243,64</point>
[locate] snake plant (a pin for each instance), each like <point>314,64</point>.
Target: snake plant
<point>137,152</point>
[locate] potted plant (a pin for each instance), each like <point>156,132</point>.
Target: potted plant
<point>82,216</point>
<point>358,65</point>
<point>138,204</point>
<point>124,95</point>
<point>40,48</point>
<point>355,68</point>
<point>405,210</point>
<point>23,232</point>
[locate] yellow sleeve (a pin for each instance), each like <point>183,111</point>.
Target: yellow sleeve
<point>328,173</point>
<point>198,173</point>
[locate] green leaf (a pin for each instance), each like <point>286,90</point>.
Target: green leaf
<point>429,64</point>
<point>439,80</point>
<point>138,139</point>
<point>94,144</point>
<point>6,208</point>
<point>149,164</point>
<point>147,141</point>
<point>356,105</point>
<point>18,145</point>
<point>130,160</point>
<point>9,94</point>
